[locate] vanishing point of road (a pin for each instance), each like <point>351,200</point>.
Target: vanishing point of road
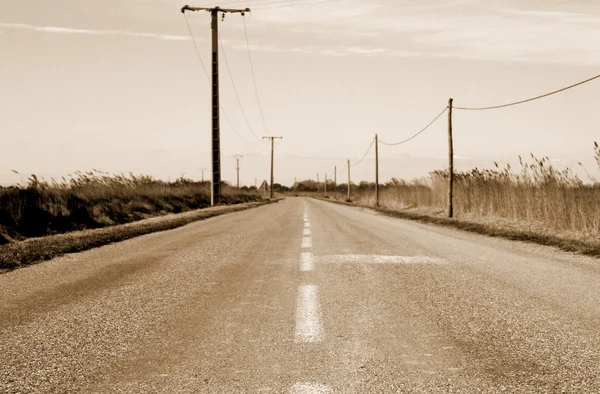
<point>304,296</point>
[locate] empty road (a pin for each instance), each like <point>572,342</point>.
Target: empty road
<point>304,296</point>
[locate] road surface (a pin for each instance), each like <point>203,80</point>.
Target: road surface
<point>304,296</point>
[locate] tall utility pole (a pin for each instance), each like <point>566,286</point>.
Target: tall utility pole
<point>348,180</point>
<point>215,190</point>
<point>376,171</point>
<point>318,182</point>
<point>450,161</point>
<point>272,160</point>
<point>334,182</point>
<point>237,168</point>
<point>202,169</point>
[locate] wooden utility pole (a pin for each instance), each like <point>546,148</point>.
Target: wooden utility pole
<point>272,160</point>
<point>215,190</point>
<point>335,182</point>
<point>237,168</point>
<point>348,180</point>
<point>318,182</point>
<point>450,162</point>
<point>376,171</point>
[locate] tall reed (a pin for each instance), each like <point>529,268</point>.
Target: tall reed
<point>537,193</point>
<point>97,199</point>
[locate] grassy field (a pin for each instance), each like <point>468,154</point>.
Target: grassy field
<point>94,200</point>
<point>534,202</point>
<point>538,195</point>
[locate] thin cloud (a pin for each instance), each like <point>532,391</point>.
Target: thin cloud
<point>523,31</point>
<point>89,32</point>
<point>324,51</point>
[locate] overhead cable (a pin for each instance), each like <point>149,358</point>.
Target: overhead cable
<point>529,99</point>
<point>235,90</point>
<point>196,46</point>
<point>365,155</point>
<point>262,115</point>
<point>263,5</point>
<point>268,7</point>
<point>259,3</point>
<point>415,135</point>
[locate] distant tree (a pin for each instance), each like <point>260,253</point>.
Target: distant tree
<point>279,188</point>
<point>306,186</point>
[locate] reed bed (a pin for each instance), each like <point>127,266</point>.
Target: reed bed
<point>537,195</point>
<point>96,199</point>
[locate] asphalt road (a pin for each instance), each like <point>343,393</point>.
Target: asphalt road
<point>304,296</point>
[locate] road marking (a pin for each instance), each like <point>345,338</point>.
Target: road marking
<point>307,261</point>
<point>309,388</point>
<point>306,231</point>
<point>308,315</point>
<point>306,225</point>
<point>307,242</point>
<point>306,220</point>
<point>379,259</point>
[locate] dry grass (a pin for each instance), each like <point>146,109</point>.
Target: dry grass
<point>538,194</point>
<point>96,199</point>
<point>537,203</point>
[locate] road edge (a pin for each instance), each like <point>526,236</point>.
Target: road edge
<point>35,250</point>
<point>565,244</point>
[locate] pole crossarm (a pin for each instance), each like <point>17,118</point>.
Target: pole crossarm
<point>217,9</point>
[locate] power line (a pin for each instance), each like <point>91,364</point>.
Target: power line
<point>276,3</point>
<point>208,78</point>
<point>268,7</point>
<point>196,46</point>
<point>231,124</point>
<point>529,99</point>
<point>365,155</point>
<point>258,3</point>
<point>235,89</point>
<point>414,136</point>
<point>254,80</point>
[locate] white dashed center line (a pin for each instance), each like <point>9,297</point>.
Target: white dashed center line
<point>306,261</point>
<point>306,232</point>
<point>308,315</point>
<point>307,242</point>
<point>309,388</point>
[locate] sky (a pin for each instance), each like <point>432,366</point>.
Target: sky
<point>117,86</point>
